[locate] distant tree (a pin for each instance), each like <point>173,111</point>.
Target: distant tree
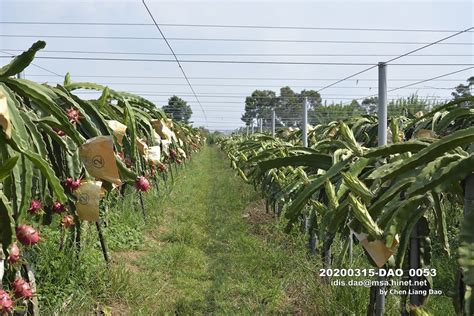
<point>258,105</point>
<point>463,90</point>
<point>178,109</point>
<point>288,106</point>
<point>355,103</point>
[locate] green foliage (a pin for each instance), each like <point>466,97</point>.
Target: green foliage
<point>178,109</point>
<point>391,188</point>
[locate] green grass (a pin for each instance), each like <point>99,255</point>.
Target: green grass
<point>196,255</point>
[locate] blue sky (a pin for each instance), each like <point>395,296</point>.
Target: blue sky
<point>223,111</point>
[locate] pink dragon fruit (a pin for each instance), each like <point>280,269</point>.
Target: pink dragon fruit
<point>27,235</point>
<point>35,207</point>
<point>142,184</point>
<point>6,303</point>
<point>22,289</point>
<point>14,255</point>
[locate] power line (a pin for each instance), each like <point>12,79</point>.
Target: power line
<point>232,26</point>
<point>229,78</point>
<point>245,62</point>
<point>250,85</point>
<point>418,82</point>
<point>434,78</point>
<point>398,57</point>
<point>438,42</point>
<point>176,58</point>
<point>240,54</point>
<point>243,96</point>
<point>224,39</point>
<point>35,65</point>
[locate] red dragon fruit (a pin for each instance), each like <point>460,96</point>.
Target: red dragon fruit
<point>73,115</point>
<point>35,207</point>
<point>153,170</point>
<point>72,184</point>
<point>27,235</point>
<point>173,153</point>
<point>6,303</point>
<point>59,132</point>
<point>58,208</point>
<point>67,221</point>
<point>142,184</point>
<point>179,161</point>
<point>22,289</point>
<point>14,255</point>
<point>128,162</point>
<point>162,167</point>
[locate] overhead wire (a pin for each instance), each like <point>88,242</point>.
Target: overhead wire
<point>398,57</point>
<point>245,61</point>
<point>230,26</point>
<point>176,58</point>
<point>240,54</point>
<point>275,40</point>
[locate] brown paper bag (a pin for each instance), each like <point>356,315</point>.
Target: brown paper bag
<point>5,122</point>
<point>88,199</point>
<point>182,153</point>
<point>118,128</point>
<point>425,133</point>
<point>377,249</point>
<point>162,129</point>
<point>142,147</point>
<point>98,156</point>
<point>154,155</point>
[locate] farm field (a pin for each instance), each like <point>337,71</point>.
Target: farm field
<point>236,158</point>
<point>215,250</point>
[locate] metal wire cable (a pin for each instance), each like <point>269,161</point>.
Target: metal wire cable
<point>240,54</point>
<point>246,62</point>
<point>226,39</point>
<point>176,58</point>
<point>231,26</point>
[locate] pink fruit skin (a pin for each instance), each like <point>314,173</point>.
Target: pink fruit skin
<point>73,115</point>
<point>27,235</point>
<point>22,289</point>
<point>142,184</point>
<point>6,303</point>
<point>35,207</point>
<point>58,208</point>
<point>14,255</point>
<point>67,221</point>
<point>71,184</point>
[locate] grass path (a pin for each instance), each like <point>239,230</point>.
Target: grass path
<point>208,248</point>
<point>204,257</point>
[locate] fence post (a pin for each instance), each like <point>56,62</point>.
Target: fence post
<point>273,122</point>
<point>261,125</point>
<point>305,123</point>
<point>253,128</point>
<point>382,106</point>
<point>382,140</point>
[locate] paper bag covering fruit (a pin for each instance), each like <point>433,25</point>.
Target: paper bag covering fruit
<point>154,155</point>
<point>166,146</point>
<point>142,147</point>
<point>98,156</point>
<point>5,122</point>
<point>118,128</point>
<point>425,133</point>
<point>157,138</point>
<point>182,153</point>
<point>88,200</point>
<point>377,249</point>
<point>163,130</point>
